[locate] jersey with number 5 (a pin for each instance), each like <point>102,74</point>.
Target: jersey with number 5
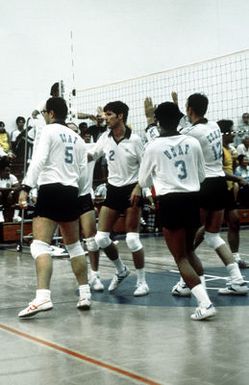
<point>60,157</point>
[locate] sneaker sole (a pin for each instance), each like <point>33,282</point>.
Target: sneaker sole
<point>204,318</point>
<point>208,316</point>
<point>97,290</point>
<point>84,307</point>
<point>232,292</point>
<point>34,313</point>
<point>141,295</point>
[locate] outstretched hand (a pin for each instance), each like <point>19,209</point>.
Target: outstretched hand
<point>149,109</point>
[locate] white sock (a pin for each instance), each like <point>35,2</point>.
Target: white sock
<point>203,282</point>
<point>234,272</point>
<point>119,265</point>
<point>43,295</point>
<point>182,282</point>
<point>83,290</point>
<point>236,257</point>
<point>140,275</point>
<point>94,273</point>
<point>201,295</point>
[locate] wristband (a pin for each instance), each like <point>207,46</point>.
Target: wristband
<point>25,188</point>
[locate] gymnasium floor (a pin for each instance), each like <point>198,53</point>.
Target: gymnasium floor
<point>122,340</point>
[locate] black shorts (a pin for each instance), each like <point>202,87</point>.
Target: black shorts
<point>118,198</point>
<point>57,202</point>
<point>213,193</point>
<point>180,210</point>
<point>85,204</point>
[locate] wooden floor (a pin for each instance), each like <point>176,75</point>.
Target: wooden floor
<point>122,339</point>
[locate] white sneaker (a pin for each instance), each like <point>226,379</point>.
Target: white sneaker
<point>95,283</point>
<point>84,302</point>
<point>35,307</point>
<point>141,289</point>
<point>234,289</point>
<point>118,278</point>
<point>203,313</point>
<point>17,219</point>
<point>181,290</point>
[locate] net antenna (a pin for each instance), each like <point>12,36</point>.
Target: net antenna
<point>61,89</point>
<point>71,96</point>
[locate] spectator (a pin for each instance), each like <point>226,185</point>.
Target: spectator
<point>242,170</point>
<point>5,140</point>
<point>9,187</point>
<point>243,148</point>
<point>242,130</point>
<point>18,138</point>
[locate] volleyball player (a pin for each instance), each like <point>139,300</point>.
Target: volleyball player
<point>57,167</point>
<point>174,164</point>
<point>213,192</point>
<point>88,221</point>
<point>123,150</point>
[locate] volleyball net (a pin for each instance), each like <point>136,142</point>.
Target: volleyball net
<point>225,81</point>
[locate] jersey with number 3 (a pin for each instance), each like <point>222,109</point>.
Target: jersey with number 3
<point>172,164</point>
<point>210,138</point>
<point>123,157</point>
<point>60,157</point>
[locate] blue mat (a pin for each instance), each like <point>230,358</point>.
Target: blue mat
<point>161,283</point>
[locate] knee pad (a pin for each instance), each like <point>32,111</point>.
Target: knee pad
<point>213,240</point>
<point>133,242</point>
<point>91,244</point>
<point>103,239</point>
<point>39,247</point>
<point>75,249</point>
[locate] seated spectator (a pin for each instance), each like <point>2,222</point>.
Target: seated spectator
<point>18,138</point>
<point>242,170</point>
<point>5,144</point>
<point>9,189</point>
<point>243,148</point>
<point>242,130</point>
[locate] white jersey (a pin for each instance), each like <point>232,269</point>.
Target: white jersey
<point>123,158</point>
<point>60,157</point>
<point>88,185</point>
<point>210,138</point>
<point>151,133</point>
<point>172,164</point>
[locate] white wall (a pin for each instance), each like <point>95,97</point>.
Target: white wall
<point>112,40</point>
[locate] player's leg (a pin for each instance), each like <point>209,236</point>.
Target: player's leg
<point>70,234</point>
<point>132,223</point>
<point>176,240</point>
<point>43,230</point>
<point>88,226</point>
<point>212,237</point>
